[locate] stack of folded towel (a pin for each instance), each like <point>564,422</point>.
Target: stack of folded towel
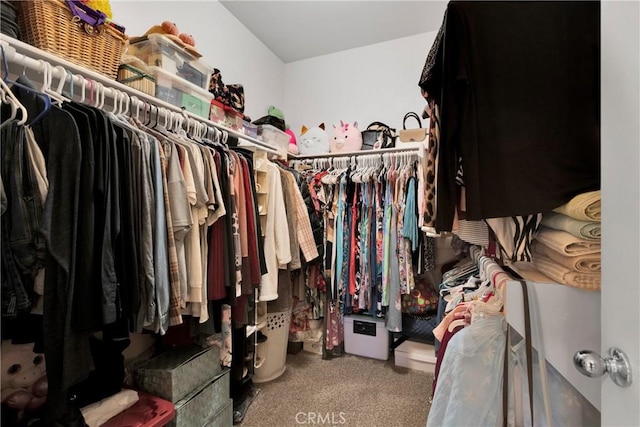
<point>567,247</point>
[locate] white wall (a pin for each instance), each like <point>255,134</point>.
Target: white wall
<point>222,40</point>
<point>373,83</point>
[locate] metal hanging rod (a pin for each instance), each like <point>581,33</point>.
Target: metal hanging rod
<point>122,97</point>
<point>404,147</point>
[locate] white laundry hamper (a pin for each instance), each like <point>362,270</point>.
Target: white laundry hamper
<point>274,349</point>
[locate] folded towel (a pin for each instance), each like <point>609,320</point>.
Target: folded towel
<point>565,276</point>
<point>566,243</point>
<point>585,207</point>
<point>588,230</point>
<point>100,412</point>
<point>589,263</point>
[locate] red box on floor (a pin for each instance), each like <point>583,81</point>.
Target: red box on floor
<point>148,411</point>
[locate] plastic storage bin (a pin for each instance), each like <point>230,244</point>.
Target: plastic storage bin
<point>225,116</point>
<point>233,119</point>
<point>216,114</point>
<point>416,355</point>
<point>274,137</point>
<point>366,336</point>
<point>250,129</point>
<point>148,411</point>
<point>181,93</point>
<point>182,61</point>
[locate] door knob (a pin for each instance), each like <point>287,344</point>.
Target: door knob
<point>617,365</point>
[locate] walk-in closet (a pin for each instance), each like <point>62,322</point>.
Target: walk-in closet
<point>282,213</point>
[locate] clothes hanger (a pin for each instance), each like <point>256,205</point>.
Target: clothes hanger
<point>7,81</point>
<point>126,105</point>
<point>83,84</point>
<point>134,101</point>
<point>54,94</point>
<point>5,100</point>
<point>148,111</point>
<point>71,82</point>
<point>101,96</point>
<point>8,97</point>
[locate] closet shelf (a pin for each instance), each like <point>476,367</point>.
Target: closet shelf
<point>25,55</point>
<point>418,147</point>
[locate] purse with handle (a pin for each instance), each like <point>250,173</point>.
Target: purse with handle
<point>378,135</point>
<point>418,134</point>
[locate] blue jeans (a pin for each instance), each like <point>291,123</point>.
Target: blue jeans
<point>24,254</point>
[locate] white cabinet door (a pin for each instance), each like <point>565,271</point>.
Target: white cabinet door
<point>620,323</point>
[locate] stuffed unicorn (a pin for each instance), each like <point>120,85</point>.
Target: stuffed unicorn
<point>346,137</point>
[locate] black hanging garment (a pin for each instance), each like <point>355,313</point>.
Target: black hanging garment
<point>518,84</point>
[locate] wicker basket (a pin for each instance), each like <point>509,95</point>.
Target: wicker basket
<point>48,25</point>
<point>137,79</point>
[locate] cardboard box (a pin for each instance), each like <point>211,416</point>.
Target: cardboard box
<point>366,336</point>
<point>201,406</point>
<point>416,355</point>
<point>178,372</point>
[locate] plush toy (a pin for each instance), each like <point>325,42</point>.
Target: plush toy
<point>101,5</point>
<point>170,30</point>
<point>346,137</point>
<point>275,112</point>
<point>313,140</point>
<point>188,39</point>
<point>293,143</point>
<point>274,117</point>
<point>24,378</point>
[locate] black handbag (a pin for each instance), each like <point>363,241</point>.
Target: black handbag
<point>378,135</point>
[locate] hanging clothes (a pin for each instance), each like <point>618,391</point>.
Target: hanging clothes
<point>493,139</point>
<point>366,212</point>
<point>276,246</point>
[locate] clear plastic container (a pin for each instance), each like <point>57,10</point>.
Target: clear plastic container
<point>158,50</point>
<point>181,93</point>
<point>274,137</point>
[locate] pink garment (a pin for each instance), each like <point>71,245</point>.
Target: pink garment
<point>442,327</point>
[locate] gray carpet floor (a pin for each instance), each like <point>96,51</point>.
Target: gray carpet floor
<point>349,391</point>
